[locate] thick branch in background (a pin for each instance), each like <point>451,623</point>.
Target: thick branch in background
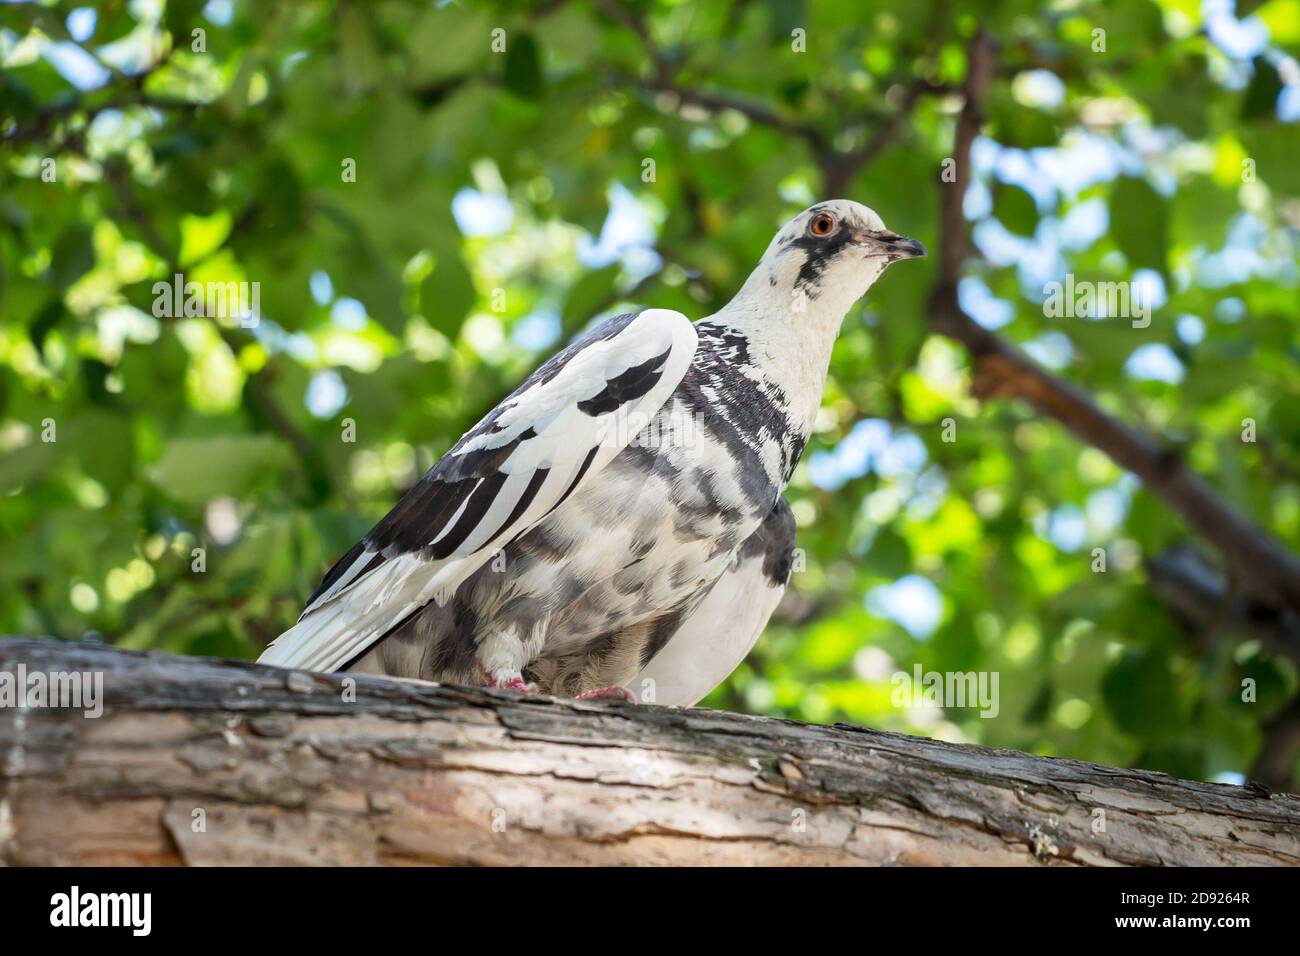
<point>1208,606</point>
<point>213,762</point>
<point>1003,371</point>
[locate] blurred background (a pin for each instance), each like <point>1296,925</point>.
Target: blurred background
<point>433,197</point>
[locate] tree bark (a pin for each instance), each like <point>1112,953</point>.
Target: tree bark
<point>198,761</point>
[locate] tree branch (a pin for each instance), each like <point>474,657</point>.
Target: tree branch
<point>1202,598</point>
<point>1003,371</point>
<point>215,762</point>
<point>838,168</point>
<point>1276,764</point>
<point>716,101</point>
<point>1206,603</point>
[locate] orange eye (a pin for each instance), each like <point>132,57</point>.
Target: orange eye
<point>822,224</point>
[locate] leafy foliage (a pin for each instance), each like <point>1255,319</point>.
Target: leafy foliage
<point>428,212</point>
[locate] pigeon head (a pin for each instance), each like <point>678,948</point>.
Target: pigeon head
<point>826,257</point>
<point>789,311</point>
<point>791,307</point>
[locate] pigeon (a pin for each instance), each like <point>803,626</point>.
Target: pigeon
<point>615,527</point>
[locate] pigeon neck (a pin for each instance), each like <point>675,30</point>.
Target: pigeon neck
<point>789,339</point>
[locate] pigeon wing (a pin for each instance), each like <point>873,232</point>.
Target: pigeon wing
<point>555,432</point>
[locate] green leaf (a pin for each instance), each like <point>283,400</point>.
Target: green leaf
<point>360,60</point>
<point>449,41</point>
<point>1270,685</point>
<point>203,235</point>
<point>1015,209</point>
<point>588,295</point>
<point>1041,706</point>
<point>196,470</point>
<point>1021,126</point>
<point>1284,419</point>
<point>103,444</point>
<point>890,556</point>
<point>1201,212</point>
<point>72,257</point>
<point>1142,695</point>
<point>1275,150</point>
<point>24,465</point>
<point>1261,96</point>
<point>447,295</point>
<point>1139,223</point>
<point>523,67</point>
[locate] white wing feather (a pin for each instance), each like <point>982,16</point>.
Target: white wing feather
<point>558,448</point>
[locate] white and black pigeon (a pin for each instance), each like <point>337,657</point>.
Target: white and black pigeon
<point>617,522</point>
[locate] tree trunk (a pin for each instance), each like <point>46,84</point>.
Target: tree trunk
<point>202,761</point>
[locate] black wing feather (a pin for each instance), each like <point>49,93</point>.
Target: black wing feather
<point>432,501</point>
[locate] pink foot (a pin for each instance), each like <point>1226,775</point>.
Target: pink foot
<point>517,684</point>
<point>607,693</point>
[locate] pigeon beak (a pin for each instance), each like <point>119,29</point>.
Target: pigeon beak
<point>892,246</point>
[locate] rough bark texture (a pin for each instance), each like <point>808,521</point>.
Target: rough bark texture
<point>283,767</point>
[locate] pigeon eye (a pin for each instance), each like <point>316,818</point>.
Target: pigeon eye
<point>822,224</point>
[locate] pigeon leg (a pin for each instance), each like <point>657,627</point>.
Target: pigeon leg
<point>608,693</point>
<point>501,660</point>
<point>507,681</point>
